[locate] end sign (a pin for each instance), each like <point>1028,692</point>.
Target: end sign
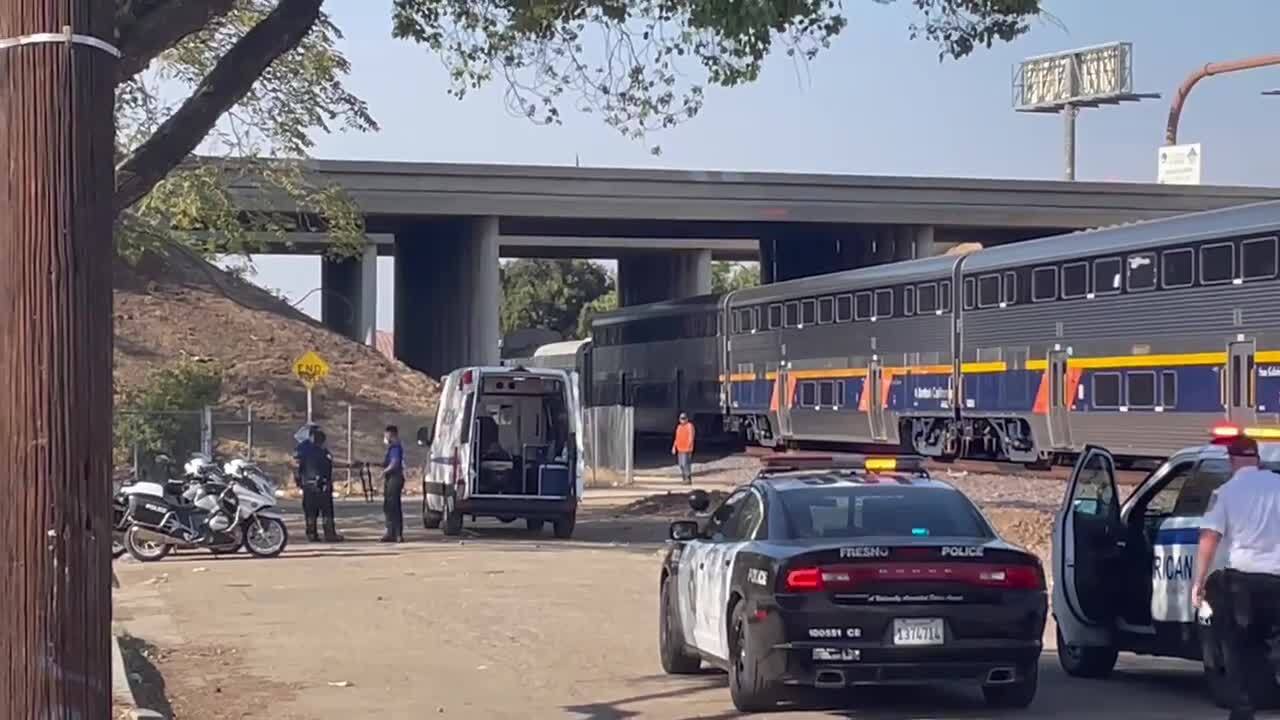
<point>310,369</point>
<point>1179,164</point>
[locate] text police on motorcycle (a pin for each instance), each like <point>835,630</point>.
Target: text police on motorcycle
<point>1245,596</point>
<point>315,477</point>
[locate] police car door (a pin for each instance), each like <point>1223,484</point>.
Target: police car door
<point>1177,538</point>
<point>1087,542</point>
<point>705,566</point>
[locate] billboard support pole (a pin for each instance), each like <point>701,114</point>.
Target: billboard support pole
<point>1069,113</point>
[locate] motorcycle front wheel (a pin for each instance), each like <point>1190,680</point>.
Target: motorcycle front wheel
<point>144,550</point>
<point>265,537</point>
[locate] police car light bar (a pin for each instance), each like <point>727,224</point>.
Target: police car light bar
<point>1227,431</point>
<point>789,462</point>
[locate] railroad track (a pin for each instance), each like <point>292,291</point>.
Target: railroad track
<point>988,467</point>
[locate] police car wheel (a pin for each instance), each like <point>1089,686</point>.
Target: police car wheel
<point>675,660</point>
<point>750,690</point>
<point>1086,662</point>
<point>1014,695</point>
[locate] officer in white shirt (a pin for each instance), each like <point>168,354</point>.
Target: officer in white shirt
<point>1245,595</point>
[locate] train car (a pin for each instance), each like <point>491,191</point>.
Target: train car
<point>662,359</point>
<point>864,356</point>
<point>1136,337</point>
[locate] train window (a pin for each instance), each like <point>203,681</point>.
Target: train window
<point>1141,389</point>
<point>809,312</point>
<point>826,393</point>
<point>1106,276</point>
<point>909,301</point>
<point>1169,389</point>
<point>826,310</point>
<point>1141,274</point>
<point>808,394</point>
<point>1010,295</point>
<point>755,318</point>
<point>1217,263</point>
<point>970,294</point>
<point>926,298</point>
<point>1258,259</point>
<point>746,320</point>
<point>988,291</point>
<point>839,393</point>
<point>944,295</point>
<point>1178,268</point>
<point>844,308</point>
<point>1044,284</point>
<point>793,313</point>
<point>1107,391</point>
<point>862,306</point>
<point>884,303</point>
<point>775,316</point>
<point>1075,280</point>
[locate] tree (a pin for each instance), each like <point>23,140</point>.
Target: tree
<point>728,276</point>
<point>603,304</point>
<point>162,415</point>
<point>550,294</point>
<point>255,79</point>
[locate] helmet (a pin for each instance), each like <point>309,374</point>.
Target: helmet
<point>197,465</point>
<point>236,466</point>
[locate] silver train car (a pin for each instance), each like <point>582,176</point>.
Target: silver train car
<point>1139,336</point>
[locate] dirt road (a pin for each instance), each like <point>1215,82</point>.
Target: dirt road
<point>497,625</point>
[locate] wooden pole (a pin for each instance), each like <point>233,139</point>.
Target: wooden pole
<point>57,144</point>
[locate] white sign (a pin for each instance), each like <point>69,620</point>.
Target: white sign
<point>1094,73</point>
<point>1179,165</point>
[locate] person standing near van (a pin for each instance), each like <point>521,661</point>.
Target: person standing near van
<point>1244,596</point>
<point>682,448</point>
<point>393,485</point>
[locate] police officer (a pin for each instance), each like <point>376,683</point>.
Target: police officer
<point>316,480</point>
<point>393,485</point>
<point>1244,596</point>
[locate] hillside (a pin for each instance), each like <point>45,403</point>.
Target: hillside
<point>177,305</point>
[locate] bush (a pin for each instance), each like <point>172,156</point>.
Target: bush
<point>163,414</point>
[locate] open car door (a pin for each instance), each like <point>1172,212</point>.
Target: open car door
<point>1087,546</point>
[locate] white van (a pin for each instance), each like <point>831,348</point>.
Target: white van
<point>506,444</point>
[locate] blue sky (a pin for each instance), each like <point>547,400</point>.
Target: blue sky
<point>876,103</point>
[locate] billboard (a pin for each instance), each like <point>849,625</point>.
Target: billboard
<point>1179,164</point>
<point>1084,77</point>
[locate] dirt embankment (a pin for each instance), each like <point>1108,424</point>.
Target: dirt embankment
<point>176,305</point>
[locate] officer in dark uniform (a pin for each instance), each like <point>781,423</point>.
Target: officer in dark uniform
<point>1244,597</point>
<point>316,471</point>
<point>393,485</point>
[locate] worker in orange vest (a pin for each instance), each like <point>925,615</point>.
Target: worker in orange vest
<point>682,448</point>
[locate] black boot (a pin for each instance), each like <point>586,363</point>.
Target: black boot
<point>312,535</point>
<point>330,532</point>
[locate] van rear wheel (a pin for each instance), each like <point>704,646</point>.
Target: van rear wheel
<point>452,518</point>
<point>534,524</point>
<point>563,526</point>
<point>431,519</point>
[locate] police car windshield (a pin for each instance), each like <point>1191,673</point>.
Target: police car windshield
<point>839,512</point>
<point>1269,455</point>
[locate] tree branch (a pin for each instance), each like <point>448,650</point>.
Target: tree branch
<point>146,30</point>
<point>225,85</point>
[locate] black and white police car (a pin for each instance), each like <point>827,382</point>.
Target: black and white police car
<point>1124,570</point>
<point>837,572</point>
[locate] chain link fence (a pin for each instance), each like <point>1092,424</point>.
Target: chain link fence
<point>609,445</point>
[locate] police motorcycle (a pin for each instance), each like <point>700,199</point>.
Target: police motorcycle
<point>167,487</point>
<point>218,511</point>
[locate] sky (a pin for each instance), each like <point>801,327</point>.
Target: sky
<point>877,103</point>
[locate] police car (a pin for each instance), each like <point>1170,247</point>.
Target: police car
<point>837,572</point>
<point>1123,571</point>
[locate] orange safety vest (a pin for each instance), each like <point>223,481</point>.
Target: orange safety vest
<point>684,438</point>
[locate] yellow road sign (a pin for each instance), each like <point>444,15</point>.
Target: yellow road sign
<point>311,369</point>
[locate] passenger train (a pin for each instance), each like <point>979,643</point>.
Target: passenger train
<point>1138,336</point>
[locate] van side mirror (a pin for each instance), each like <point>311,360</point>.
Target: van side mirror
<point>699,500</point>
<point>425,435</point>
<point>684,530</point>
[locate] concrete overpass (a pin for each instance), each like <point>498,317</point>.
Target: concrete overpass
<point>447,224</point>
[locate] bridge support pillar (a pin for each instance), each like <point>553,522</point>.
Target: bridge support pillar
<point>349,295</point>
<point>447,294</point>
<point>652,277</point>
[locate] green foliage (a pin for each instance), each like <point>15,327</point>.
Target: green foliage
<point>163,414</point>
<point>603,304</point>
<point>629,60</point>
<point>268,133</point>
<point>550,294</point>
<point>728,276</point>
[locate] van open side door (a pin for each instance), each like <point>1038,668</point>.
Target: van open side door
<point>578,461</point>
<point>1088,546</point>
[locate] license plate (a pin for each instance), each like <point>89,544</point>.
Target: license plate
<point>917,631</point>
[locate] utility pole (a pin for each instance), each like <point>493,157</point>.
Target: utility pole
<point>1069,113</point>
<point>57,77</point>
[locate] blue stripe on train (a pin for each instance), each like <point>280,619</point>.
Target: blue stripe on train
<point>1009,391</point>
<point>1195,389</point>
